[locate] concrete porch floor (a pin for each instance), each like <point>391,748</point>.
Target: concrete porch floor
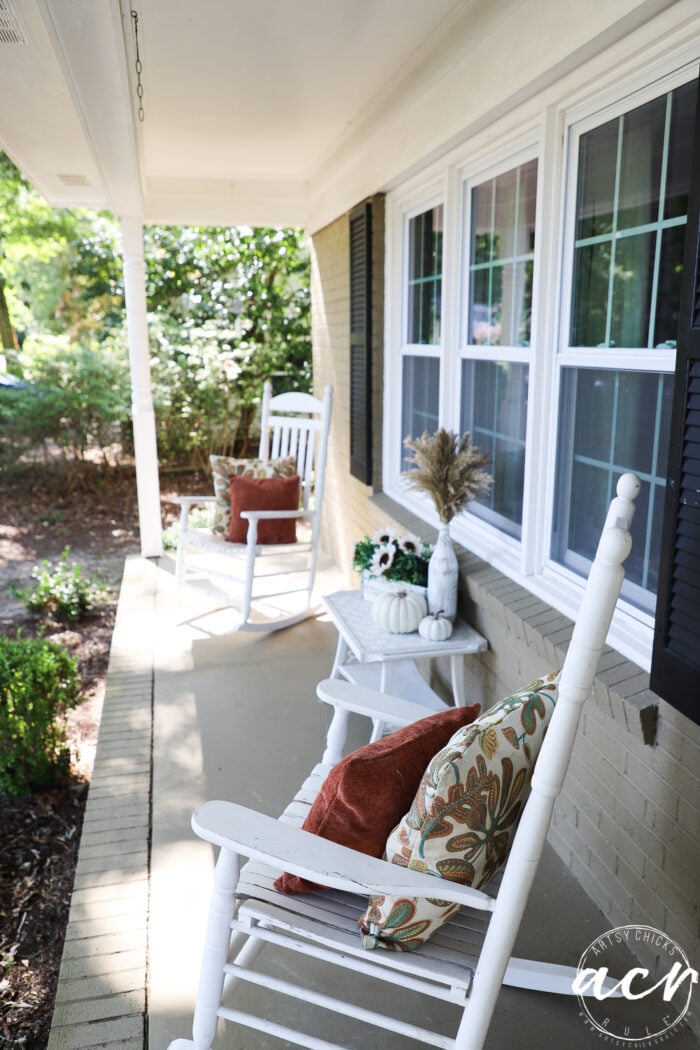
<point>194,711</point>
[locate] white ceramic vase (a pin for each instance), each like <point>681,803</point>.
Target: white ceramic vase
<point>443,572</point>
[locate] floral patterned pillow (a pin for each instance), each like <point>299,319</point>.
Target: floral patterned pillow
<point>225,467</point>
<point>464,815</point>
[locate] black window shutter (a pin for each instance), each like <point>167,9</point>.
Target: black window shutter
<point>675,668</point>
<point>361,343</point>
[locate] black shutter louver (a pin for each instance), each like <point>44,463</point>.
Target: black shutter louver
<point>675,668</point>
<point>361,343</point>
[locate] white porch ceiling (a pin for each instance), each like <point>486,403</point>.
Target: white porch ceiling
<point>244,100</point>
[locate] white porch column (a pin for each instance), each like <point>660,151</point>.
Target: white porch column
<point>146,451</point>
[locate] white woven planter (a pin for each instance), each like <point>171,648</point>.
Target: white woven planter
<point>371,586</point>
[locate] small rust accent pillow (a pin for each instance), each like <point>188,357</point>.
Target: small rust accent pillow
<point>264,494</point>
<point>365,795</point>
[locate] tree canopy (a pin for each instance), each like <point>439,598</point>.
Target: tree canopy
<point>228,307</point>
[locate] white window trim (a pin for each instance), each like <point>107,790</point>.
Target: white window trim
<point>527,562</point>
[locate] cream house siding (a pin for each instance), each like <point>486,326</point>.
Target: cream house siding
<point>494,58</point>
<point>628,821</point>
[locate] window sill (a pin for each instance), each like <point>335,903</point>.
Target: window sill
<point>525,612</point>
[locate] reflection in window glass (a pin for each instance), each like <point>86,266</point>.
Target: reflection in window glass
<point>420,398</point>
<point>425,234</point>
<point>494,411</point>
<point>669,290</point>
<point>502,255</point>
<point>634,270</point>
<point>632,201</point>
<point>631,208</point>
<point>612,422</point>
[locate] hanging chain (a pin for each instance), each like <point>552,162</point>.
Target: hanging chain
<point>138,67</point>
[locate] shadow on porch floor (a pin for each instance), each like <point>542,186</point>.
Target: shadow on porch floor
<point>196,711</point>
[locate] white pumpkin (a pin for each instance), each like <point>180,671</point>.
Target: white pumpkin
<point>399,612</point>
<point>435,628</point>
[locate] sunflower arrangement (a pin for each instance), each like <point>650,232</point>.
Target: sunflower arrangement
<point>449,469</point>
<point>394,556</point>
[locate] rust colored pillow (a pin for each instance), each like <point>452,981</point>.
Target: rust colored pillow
<point>264,494</point>
<point>367,793</point>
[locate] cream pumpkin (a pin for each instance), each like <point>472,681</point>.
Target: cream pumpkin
<point>435,628</point>
<point>399,612</point>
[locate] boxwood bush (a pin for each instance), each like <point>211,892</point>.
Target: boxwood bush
<point>38,684</point>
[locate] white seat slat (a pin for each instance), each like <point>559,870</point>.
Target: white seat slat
<point>322,921</point>
<point>341,911</point>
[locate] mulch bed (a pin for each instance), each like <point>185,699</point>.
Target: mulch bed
<point>42,512</point>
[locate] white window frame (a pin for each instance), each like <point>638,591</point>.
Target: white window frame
<point>469,180</point>
<point>552,137</point>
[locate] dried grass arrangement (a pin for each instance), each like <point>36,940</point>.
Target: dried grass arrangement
<point>449,469</point>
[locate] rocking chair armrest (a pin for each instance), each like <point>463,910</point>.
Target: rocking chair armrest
<point>360,699</point>
<point>274,515</point>
<point>288,848</point>
<point>189,501</point>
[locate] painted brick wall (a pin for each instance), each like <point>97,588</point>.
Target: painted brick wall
<point>628,820</point>
<point>348,512</point>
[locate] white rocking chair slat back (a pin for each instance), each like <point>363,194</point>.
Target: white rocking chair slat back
<point>468,960</point>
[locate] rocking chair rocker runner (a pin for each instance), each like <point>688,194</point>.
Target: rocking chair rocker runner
<point>293,426</point>
<point>468,960</point>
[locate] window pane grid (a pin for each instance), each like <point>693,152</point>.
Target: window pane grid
<point>420,380</point>
<point>607,411</point>
<point>660,220</point>
<point>420,399</point>
<point>424,285</point>
<point>626,307</point>
<point>501,266</point>
<point>494,411</point>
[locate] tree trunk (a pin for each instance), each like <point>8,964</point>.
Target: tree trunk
<point>243,432</point>
<point>7,339</point>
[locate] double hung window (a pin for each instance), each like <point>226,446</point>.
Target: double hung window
<point>633,176</point>
<point>559,364</point>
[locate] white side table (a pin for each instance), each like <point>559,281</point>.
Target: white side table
<point>381,660</point>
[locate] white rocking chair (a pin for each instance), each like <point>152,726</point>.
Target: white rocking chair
<point>292,424</point>
<point>467,961</point>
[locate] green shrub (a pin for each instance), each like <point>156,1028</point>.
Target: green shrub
<point>76,399</point>
<point>38,684</point>
<point>61,591</point>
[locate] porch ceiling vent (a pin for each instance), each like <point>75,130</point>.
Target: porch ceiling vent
<point>11,29</point>
<point>72,180</point>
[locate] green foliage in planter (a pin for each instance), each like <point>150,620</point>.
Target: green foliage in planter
<point>404,558</point>
<point>38,684</point>
<point>62,591</point>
